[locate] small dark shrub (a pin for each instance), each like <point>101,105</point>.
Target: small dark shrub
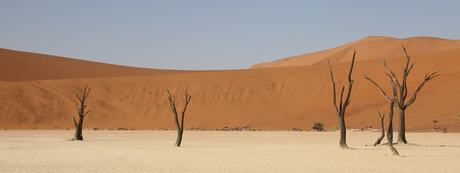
<point>318,126</point>
<point>444,130</point>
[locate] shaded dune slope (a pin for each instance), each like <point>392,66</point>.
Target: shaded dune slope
<point>371,47</point>
<point>23,66</point>
<point>271,98</point>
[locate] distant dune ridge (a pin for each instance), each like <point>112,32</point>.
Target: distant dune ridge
<point>36,90</point>
<point>371,47</point>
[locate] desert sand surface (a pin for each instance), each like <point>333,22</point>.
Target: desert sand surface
<point>220,151</point>
<point>37,92</point>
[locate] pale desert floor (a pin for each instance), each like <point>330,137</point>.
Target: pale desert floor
<point>212,151</point>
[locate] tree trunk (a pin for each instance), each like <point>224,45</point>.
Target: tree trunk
<point>402,126</point>
<point>390,137</point>
<point>179,137</point>
<point>343,133</point>
<point>79,130</point>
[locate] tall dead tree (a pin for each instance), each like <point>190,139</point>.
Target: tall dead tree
<point>81,114</point>
<point>180,126</point>
<point>402,92</point>
<point>342,104</point>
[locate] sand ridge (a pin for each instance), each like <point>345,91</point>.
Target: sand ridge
<point>24,66</point>
<point>371,47</point>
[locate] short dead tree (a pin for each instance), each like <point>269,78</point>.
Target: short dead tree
<point>180,126</point>
<point>342,103</point>
<point>81,114</point>
<point>382,117</point>
<point>390,115</point>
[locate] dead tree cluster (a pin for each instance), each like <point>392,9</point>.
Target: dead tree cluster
<point>82,114</point>
<point>398,100</point>
<point>401,92</point>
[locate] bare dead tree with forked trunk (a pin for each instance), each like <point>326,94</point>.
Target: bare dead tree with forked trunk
<point>81,114</point>
<point>180,126</point>
<point>342,104</point>
<point>402,92</point>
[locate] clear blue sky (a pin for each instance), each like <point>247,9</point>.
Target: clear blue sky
<point>214,34</point>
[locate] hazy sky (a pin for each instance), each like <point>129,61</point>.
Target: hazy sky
<point>214,34</point>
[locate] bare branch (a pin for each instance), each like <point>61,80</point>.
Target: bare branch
<point>74,121</point>
<point>86,113</point>
<point>350,82</point>
<point>378,87</point>
<point>78,109</point>
<point>341,99</point>
<point>187,101</point>
<point>86,93</point>
<point>333,87</point>
<point>173,108</point>
<point>428,77</point>
<point>393,75</point>
<point>77,96</point>
<point>351,68</point>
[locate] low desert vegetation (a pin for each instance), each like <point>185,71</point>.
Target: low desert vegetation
<point>434,123</point>
<point>318,126</point>
<point>444,130</point>
<point>413,125</point>
<point>335,128</point>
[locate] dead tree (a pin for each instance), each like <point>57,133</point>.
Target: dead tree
<point>342,104</point>
<point>81,114</point>
<point>180,126</point>
<point>382,117</point>
<point>402,92</point>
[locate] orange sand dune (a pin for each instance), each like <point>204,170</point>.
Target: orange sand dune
<point>271,98</point>
<point>24,66</point>
<point>371,47</point>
